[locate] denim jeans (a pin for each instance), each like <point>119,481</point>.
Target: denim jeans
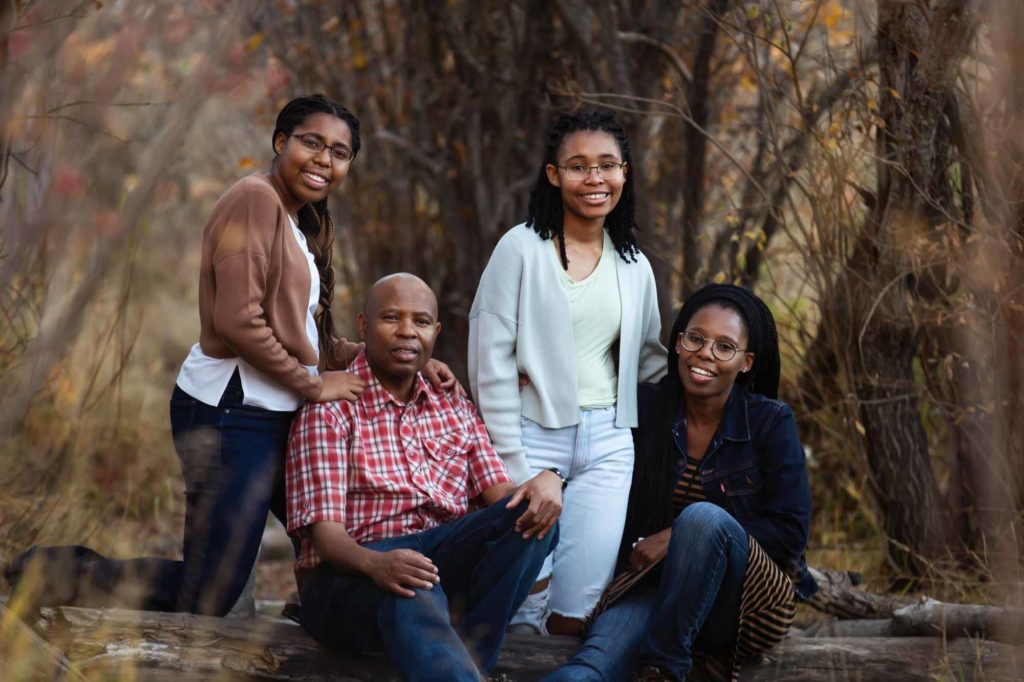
<point>695,605</point>
<point>486,570</point>
<point>597,458</point>
<point>232,458</point>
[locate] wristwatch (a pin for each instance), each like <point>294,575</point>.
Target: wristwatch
<point>556,472</point>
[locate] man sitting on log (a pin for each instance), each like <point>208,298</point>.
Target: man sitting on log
<point>378,493</point>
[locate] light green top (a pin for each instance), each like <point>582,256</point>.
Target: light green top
<point>596,310</point>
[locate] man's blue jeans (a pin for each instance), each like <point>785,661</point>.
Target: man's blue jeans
<point>486,570</point>
<point>232,459</point>
<point>695,604</point>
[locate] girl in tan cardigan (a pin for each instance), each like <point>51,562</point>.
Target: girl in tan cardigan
<point>266,344</point>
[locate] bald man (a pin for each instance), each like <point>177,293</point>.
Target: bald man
<point>378,494</point>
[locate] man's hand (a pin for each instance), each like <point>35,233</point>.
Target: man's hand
<point>544,491</point>
<point>647,551</point>
<point>400,569</point>
<point>340,386</point>
<point>442,377</point>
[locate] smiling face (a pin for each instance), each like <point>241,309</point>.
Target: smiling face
<point>593,198</point>
<point>399,325</point>
<point>703,375</point>
<point>306,176</point>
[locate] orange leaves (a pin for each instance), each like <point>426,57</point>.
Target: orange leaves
<point>253,42</point>
<point>837,22</point>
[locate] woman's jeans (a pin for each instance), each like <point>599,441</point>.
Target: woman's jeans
<point>232,458</point>
<point>696,604</point>
<point>597,458</point>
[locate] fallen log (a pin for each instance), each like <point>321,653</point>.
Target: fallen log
<point>24,655</point>
<point>930,617</point>
<point>839,596</point>
<point>115,644</point>
<point>866,614</point>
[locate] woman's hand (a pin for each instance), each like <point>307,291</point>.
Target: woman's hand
<point>442,377</point>
<point>544,491</point>
<point>650,550</point>
<point>345,352</point>
<point>340,386</point>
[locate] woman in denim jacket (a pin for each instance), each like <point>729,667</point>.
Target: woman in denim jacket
<point>712,557</point>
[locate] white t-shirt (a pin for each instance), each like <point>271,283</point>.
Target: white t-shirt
<point>205,378</point>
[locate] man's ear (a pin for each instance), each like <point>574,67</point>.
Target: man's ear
<point>361,322</point>
<point>552,172</point>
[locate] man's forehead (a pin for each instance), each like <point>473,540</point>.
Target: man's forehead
<point>402,293</point>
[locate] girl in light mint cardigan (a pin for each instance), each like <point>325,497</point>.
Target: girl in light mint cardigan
<point>568,302</point>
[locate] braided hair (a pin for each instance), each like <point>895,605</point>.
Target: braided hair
<point>315,219</point>
<point>546,213</point>
<point>650,499</point>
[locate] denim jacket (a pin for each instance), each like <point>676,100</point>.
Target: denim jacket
<point>754,468</point>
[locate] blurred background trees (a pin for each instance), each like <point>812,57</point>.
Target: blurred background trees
<point>857,163</point>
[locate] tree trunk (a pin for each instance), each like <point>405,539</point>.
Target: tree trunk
<point>920,48</point>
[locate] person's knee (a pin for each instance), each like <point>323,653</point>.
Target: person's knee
<point>422,601</point>
<point>707,521</point>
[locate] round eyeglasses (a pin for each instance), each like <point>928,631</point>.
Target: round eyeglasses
<point>723,351</point>
<point>608,170</point>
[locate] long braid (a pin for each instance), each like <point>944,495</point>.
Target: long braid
<point>316,223</point>
<point>545,213</point>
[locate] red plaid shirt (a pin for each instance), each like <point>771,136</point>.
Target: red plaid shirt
<point>383,468</point>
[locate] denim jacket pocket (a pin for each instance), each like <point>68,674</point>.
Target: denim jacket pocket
<point>743,482</point>
<point>740,488</point>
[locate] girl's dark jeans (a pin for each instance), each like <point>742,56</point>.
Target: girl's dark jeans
<point>232,458</point>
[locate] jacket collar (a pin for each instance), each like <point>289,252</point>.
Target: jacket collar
<point>736,423</point>
<point>375,398</point>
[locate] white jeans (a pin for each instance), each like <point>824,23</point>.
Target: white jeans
<point>597,458</point>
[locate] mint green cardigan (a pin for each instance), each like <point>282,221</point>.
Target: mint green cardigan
<point>520,324</point>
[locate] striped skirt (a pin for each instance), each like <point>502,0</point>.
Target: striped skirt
<point>767,607</point>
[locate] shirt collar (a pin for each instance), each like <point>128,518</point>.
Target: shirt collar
<point>375,398</point>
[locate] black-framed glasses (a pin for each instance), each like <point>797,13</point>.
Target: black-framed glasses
<point>723,351</point>
<point>315,145</point>
<point>608,170</point>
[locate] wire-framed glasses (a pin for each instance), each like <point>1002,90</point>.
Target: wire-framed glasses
<point>723,351</point>
<point>608,170</point>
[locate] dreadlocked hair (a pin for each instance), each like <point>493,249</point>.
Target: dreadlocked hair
<point>650,499</point>
<point>315,219</point>
<point>546,212</point>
